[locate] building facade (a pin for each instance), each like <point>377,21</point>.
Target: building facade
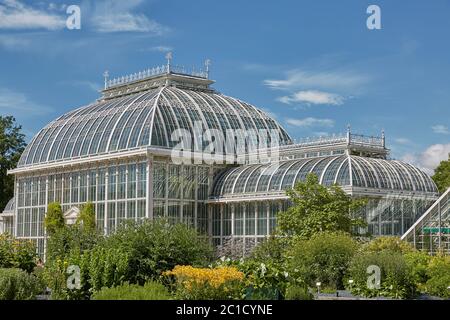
<point>136,153</point>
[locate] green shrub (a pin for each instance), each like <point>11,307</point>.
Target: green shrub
<point>418,263</point>
<point>396,279</point>
<point>87,216</point>
<point>263,280</point>
<point>16,284</point>
<point>439,276</point>
<point>296,292</point>
<point>155,246</point>
<point>393,244</point>
<point>70,240</point>
<point>54,218</point>
<point>16,253</point>
<point>325,258</point>
<point>150,291</point>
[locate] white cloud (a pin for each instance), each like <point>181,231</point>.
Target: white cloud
<point>15,15</point>
<point>429,159</point>
<point>334,80</point>
<point>441,129</point>
<point>313,97</point>
<point>18,103</point>
<point>119,16</point>
<point>310,122</point>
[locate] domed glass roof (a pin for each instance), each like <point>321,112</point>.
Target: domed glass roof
<point>142,119</point>
<point>344,170</point>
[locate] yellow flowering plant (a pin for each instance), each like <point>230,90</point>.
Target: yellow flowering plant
<point>220,283</point>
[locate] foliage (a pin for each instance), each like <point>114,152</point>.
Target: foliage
<point>72,239</point>
<point>16,253</point>
<point>16,284</point>
<point>418,262</point>
<point>442,175</point>
<point>317,208</point>
<point>439,276</point>
<point>12,144</point>
<point>87,216</point>
<point>271,249</point>
<point>324,258</point>
<point>263,280</point>
<point>396,279</point>
<point>54,218</point>
<point>389,243</point>
<point>219,283</point>
<point>296,292</point>
<point>150,291</point>
<point>155,246</point>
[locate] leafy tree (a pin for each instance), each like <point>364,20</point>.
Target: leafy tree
<point>325,258</point>
<point>442,175</point>
<point>54,219</point>
<point>317,208</point>
<point>12,144</point>
<point>87,216</point>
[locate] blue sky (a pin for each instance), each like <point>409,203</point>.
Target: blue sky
<point>314,65</point>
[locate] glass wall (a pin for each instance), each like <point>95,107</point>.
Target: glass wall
<point>257,219</point>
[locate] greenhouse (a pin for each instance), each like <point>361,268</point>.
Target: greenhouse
<point>117,153</point>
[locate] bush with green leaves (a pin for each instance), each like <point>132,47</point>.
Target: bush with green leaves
<point>17,284</point>
<point>54,218</point>
<point>396,277</point>
<point>323,258</point>
<point>87,216</point>
<point>17,253</point>
<point>297,292</point>
<point>149,291</point>
<point>393,244</point>
<point>155,246</point>
<point>418,262</point>
<point>438,282</point>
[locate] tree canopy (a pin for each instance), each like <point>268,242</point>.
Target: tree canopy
<point>317,208</point>
<point>12,144</point>
<point>442,175</point>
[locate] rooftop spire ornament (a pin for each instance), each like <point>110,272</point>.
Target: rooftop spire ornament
<point>169,59</point>
<point>207,64</point>
<point>106,76</point>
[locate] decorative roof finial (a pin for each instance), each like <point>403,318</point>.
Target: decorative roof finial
<point>169,59</point>
<point>106,76</point>
<point>207,64</point>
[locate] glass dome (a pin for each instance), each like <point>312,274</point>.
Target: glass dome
<point>139,120</point>
<point>344,170</point>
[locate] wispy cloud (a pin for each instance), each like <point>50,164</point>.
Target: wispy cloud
<point>158,49</point>
<point>310,122</point>
<point>403,141</point>
<point>121,16</point>
<point>441,129</point>
<point>313,97</point>
<point>430,158</point>
<point>14,42</point>
<point>326,80</point>
<point>15,15</point>
<point>14,102</point>
<point>94,86</point>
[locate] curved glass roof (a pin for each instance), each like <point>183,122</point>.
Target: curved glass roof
<point>142,119</point>
<point>9,206</point>
<point>343,170</point>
